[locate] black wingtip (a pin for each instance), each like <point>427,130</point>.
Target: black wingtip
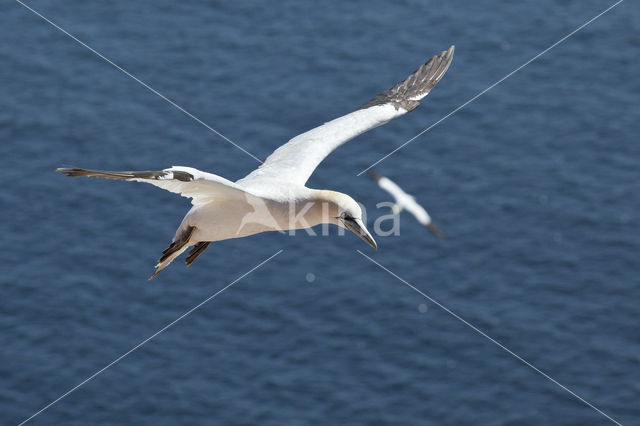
<point>73,172</point>
<point>407,94</point>
<point>435,230</point>
<point>197,249</point>
<point>374,175</point>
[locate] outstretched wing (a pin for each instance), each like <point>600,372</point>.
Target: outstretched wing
<point>417,211</point>
<point>296,160</point>
<point>200,186</point>
<point>404,200</point>
<point>394,190</point>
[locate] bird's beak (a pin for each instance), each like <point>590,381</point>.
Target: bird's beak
<point>357,227</point>
<point>433,228</point>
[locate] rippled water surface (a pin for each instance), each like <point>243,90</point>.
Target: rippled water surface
<point>535,184</point>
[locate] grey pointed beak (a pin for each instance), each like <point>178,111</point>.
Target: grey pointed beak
<point>357,227</point>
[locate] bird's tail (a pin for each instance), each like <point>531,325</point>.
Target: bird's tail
<point>176,248</point>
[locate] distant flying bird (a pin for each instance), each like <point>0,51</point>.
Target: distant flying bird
<point>406,202</point>
<point>275,195</point>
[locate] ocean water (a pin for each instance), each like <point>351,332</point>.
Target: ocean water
<point>535,185</point>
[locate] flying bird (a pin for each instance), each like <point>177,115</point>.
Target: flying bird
<point>274,195</point>
<point>406,202</point>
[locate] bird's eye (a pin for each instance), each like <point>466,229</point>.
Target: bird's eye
<point>346,216</point>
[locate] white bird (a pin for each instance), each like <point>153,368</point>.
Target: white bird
<point>405,201</point>
<point>274,196</point>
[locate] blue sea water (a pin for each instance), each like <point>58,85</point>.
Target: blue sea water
<point>535,184</point>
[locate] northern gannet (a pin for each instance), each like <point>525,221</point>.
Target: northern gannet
<point>274,196</point>
<point>405,201</point>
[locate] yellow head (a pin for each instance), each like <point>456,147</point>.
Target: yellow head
<point>342,210</point>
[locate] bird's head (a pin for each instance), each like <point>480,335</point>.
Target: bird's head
<point>345,212</point>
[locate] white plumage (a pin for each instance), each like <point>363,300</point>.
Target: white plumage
<point>406,202</point>
<point>274,196</point>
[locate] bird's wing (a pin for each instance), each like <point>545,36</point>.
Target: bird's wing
<point>404,200</point>
<point>200,186</point>
<point>396,192</point>
<point>418,211</point>
<point>296,160</point>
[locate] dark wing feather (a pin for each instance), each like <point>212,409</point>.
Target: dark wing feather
<point>408,93</point>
